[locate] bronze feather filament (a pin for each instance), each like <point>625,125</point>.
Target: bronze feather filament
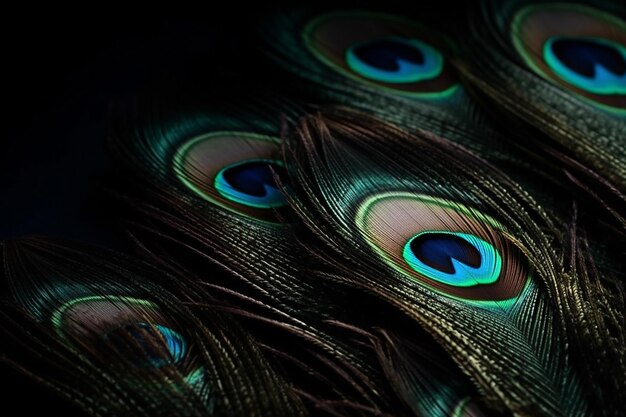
<point>374,209</point>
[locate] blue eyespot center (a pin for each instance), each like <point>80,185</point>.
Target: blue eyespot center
<point>437,251</point>
<point>593,64</point>
<point>457,259</point>
<point>252,183</point>
<point>154,345</point>
<point>395,60</point>
<point>582,56</point>
<point>385,54</point>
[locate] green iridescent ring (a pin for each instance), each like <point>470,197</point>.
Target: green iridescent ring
<point>173,341</point>
<point>576,47</point>
<point>476,263</point>
<point>389,52</point>
<point>235,171</point>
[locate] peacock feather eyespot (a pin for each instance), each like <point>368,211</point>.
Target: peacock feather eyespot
<point>234,170</point>
<point>157,345</point>
<point>445,246</point>
<point>395,60</point>
<point>577,47</point>
<point>252,183</point>
<point>129,326</point>
<point>458,259</point>
<point>386,51</point>
<point>596,65</point>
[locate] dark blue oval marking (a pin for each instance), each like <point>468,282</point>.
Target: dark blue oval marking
<point>596,65</point>
<point>453,258</point>
<point>252,183</point>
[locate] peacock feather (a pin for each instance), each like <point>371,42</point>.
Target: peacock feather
<point>567,60</point>
<point>476,248</point>
<point>109,337</point>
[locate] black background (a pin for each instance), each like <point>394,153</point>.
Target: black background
<point>62,76</point>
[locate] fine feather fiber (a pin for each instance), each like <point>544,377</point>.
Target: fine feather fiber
<point>354,209</point>
<point>259,248</point>
<point>94,315</point>
<point>353,161</point>
<point>573,119</point>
